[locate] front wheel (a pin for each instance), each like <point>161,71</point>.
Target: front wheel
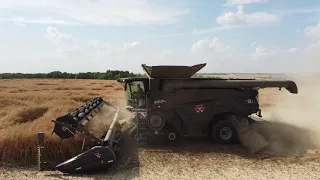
<point>224,132</point>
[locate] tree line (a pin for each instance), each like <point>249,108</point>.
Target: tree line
<point>108,75</point>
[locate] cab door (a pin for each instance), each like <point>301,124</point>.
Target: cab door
<point>136,93</point>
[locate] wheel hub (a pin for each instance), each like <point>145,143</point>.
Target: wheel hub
<point>225,133</point>
<point>156,122</point>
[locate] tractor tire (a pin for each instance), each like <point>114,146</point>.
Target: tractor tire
<point>224,132</point>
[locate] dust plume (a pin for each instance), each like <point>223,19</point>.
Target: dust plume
<point>300,112</point>
<point>100,123</point>
<point>294,126</point>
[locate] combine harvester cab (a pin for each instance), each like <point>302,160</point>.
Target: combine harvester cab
<point>103,152</point>
<point>170,104</point>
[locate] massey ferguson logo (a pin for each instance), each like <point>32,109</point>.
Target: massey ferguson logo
<point>199,108</point>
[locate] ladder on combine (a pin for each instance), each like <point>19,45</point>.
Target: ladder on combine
<point>140,131</point>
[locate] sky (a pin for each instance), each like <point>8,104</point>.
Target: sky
<point>231,36</point>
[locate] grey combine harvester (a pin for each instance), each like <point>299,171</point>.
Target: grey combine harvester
<point>169,105</point>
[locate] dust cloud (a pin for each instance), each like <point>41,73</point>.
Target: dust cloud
<point>100,123</point>
<point>298,114</point>
<point>293,127</point>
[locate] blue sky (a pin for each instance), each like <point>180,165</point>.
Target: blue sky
<point>97,35</point>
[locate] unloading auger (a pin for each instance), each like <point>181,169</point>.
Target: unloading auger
<point>103,152</point>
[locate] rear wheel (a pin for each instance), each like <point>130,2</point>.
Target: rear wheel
<point>224,132</point>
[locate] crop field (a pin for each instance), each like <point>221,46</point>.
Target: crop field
<point>27,106</point>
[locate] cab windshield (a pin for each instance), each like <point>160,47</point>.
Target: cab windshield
<point>135,94</point>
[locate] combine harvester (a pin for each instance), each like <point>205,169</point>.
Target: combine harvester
<point>168,105</point>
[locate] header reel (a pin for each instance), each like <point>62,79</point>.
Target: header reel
<point>66,126</point>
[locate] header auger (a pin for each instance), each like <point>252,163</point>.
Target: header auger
<point>169,105</point>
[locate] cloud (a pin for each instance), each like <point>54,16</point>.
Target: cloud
<point>22,21</point>
<point>166,35</point>
<point>103,47</point>
<point>65,43</point>
<point>304,59</point>
<point>58,37</point>
<point>241,18</point>
<point>20,24</point>
<point>241,2</point>
<point>289,11</point>
<point>211,45</point>
<point>103,12</point>
<point>260,52</point>
<point>231,20</point>
<point>313,32</point>
<point>292,50</point>
<point>69,51</point>
<point>18,21</point>
<point>100,46</point>
<point>281,60</point>
<point>253,43</point>
<point>130,46</point>
<point>165,53</point>
<point>210,30</point>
